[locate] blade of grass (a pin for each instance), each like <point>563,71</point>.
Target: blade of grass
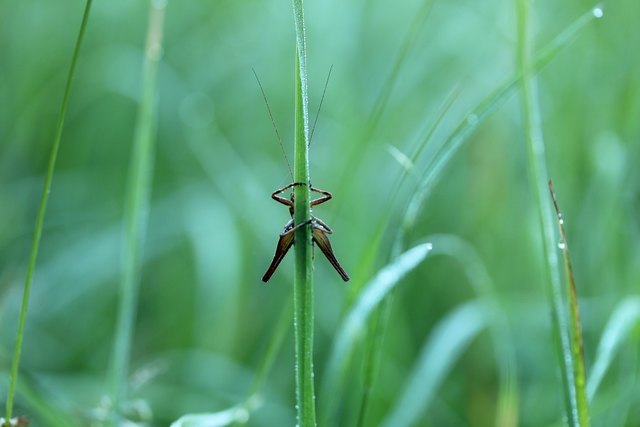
<point>410,38</point>
<point>485,108</point>
<point>433,171</point>
<point>42,209</point>
<point>419,20</point>
<point>446,344</point>
<point>303,273</point>
<point>538,177</point>
<point>136,207</point>
<point>577,346</point>
<point>624,319</point>
<point>356,321</point>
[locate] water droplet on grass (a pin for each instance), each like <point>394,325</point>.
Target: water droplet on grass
<point>598,12</point>
<point>561,245</point>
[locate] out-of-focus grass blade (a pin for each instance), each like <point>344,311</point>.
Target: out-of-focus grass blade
<point>445,346</point>
<point>42,209</point>
<point>488,106</point>
<point>412,34</point>
<point>577,347</point>
<point>366,261</point>
<point>623,320</point>
<point>137,203</point>
<point>356,320</point>
<point>575,401</point>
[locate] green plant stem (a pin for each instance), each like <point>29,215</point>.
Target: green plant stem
<point>137,200</point>
<point>303,274</point>
<point>538,176</point>
<point>42,209</point>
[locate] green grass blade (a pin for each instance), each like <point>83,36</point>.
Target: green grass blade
<point>303,273</point>
<point>577,346</point>
<point>42,209</point>
<point>136,207</point>
<point>622,322</point>
<point>446,344</point>
<point>538,177</point>
<point>485,108</point>
<point>418,22</point>
<point>356,320</point>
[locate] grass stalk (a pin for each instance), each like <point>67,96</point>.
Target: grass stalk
<point>136,208</point>
<point>538,176</point>
<point>42,209</point>
<point>303,274</point>
<point>577,344</point>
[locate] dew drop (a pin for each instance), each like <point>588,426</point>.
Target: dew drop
<point>598,12</point>
<point>561,245</point>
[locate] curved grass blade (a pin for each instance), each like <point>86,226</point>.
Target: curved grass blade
<point>355,322</point>
<point>622,322</point>
<point>136,207</point>
<point>444,347</point>
<point>42,209</point>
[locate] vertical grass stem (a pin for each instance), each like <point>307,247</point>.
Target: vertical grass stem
<point>303,274</point>
<point>538,176</point>
<point>137,200</point>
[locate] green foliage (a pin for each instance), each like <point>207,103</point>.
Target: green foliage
<point>434,83</point>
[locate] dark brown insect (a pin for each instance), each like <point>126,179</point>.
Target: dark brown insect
<point>319,232</point>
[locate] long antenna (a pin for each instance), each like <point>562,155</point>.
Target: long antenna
<point>326,83</point>
<point>273,122</point>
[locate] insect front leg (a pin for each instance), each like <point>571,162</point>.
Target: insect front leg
<point>278,198</point>
<point>326,196</point>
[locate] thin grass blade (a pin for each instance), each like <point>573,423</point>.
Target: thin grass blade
<point>538,177</point>
<point>485,109</point>
<point>625,318</point>
<point>577,346</point>
<point>42,209</point>
<point>136,207</point>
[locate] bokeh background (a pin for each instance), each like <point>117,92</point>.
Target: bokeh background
<point>205,320</point>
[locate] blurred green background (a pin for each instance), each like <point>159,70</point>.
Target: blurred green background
<point>205,319</point>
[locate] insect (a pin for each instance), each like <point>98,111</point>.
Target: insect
<point>319,231</point>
